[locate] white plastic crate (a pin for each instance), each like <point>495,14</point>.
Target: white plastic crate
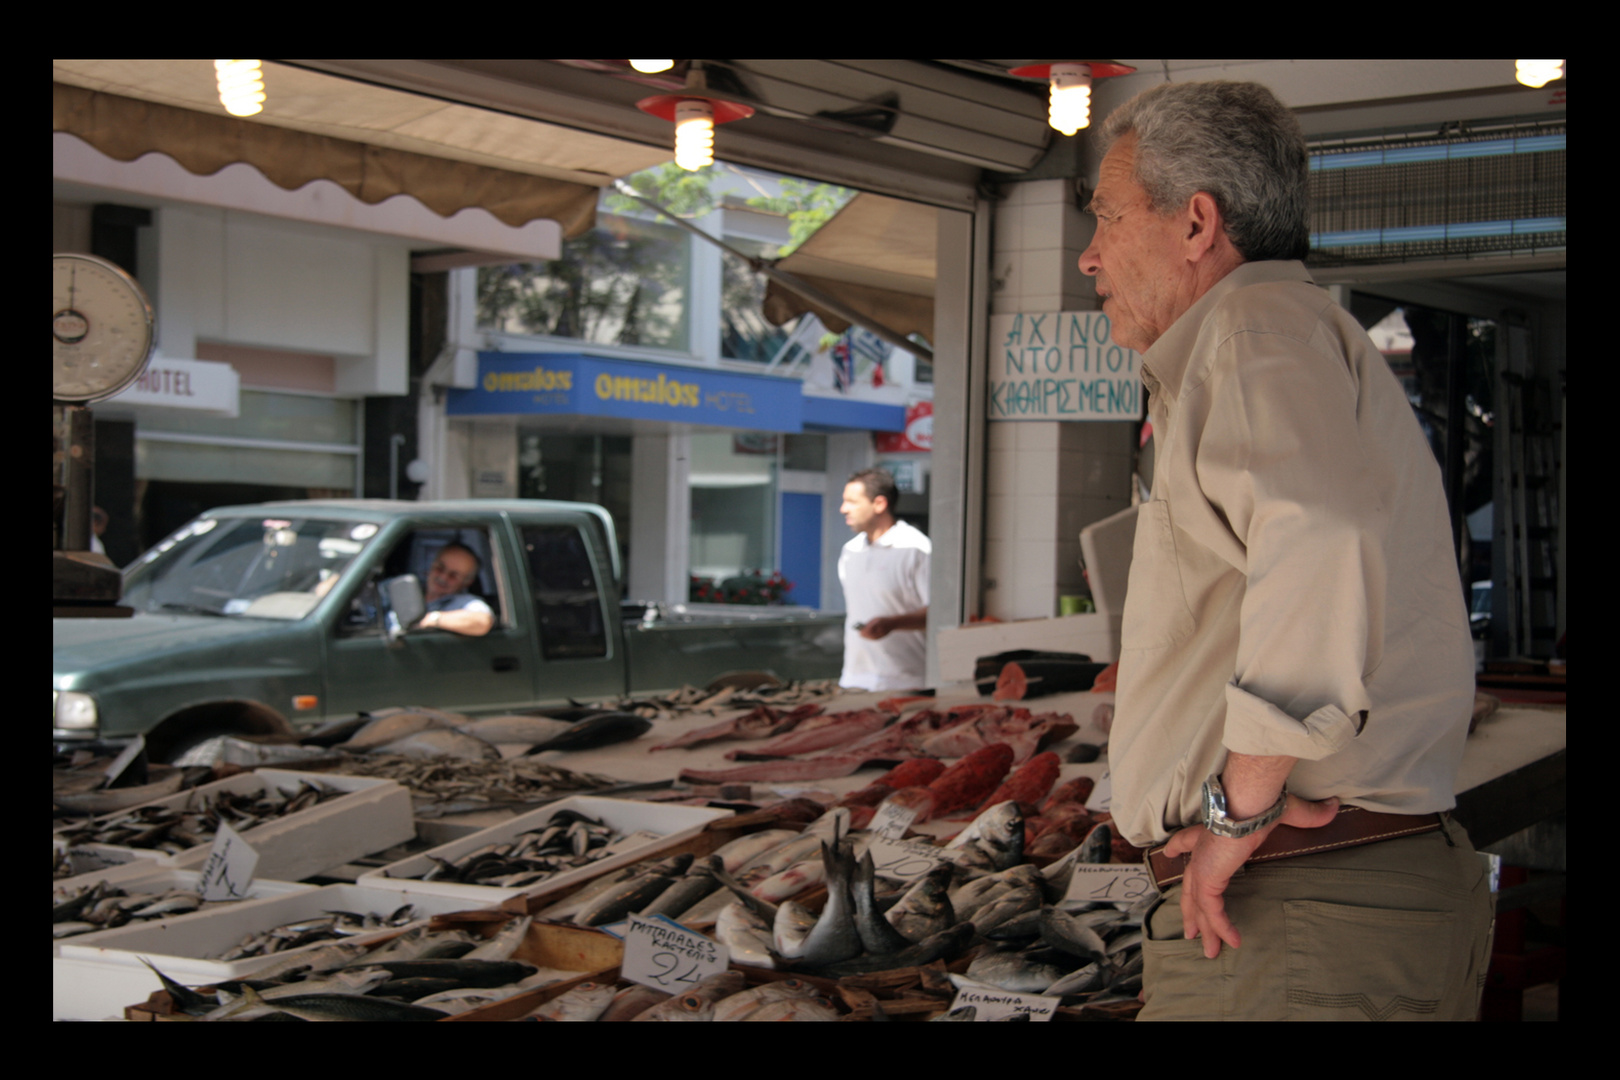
<point>374,815</point>
<point>669,824</point>
<point>94,981</point>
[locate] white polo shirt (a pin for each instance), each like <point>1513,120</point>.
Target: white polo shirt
<point>885,579</point>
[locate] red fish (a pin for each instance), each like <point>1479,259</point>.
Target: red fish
<point>1029,785</point>
<point>968,781</point>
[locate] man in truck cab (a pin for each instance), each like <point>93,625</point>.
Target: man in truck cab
<point>449,605</point>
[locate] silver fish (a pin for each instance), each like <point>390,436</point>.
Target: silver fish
<point>793,924</point>
<point>583,1004</point>
<point>878,935</point>
<point>437,742</point>
<point>392,725</point>
<point>1081,981</point>
<point>515,729</point>
<point>1063,931</point>
<point>746,849</point>
<point>796,879</point>
<point>699,1002</point>
<point>746,935</point>
<point>998,833</point>
<point>738,1006</point>
<point>504,943</point>
<point>1014,902</point>
<point>799,1009</point>
<point>926,908</point>
<point>1013,971</point>
<point>835,937</point>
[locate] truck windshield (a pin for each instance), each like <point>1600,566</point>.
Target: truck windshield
<point>257,568</point>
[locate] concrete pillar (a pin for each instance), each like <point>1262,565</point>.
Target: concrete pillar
<point>660,517</point>
<point>1045,480</point>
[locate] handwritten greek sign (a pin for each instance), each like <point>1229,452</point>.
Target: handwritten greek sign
<point>991,1004</point>
<point>1109,883</point>
<point>667,956</point>
<point>229,869</point>
<point>904,860</point>
<point>1061,365</point>
<point>892,820</point>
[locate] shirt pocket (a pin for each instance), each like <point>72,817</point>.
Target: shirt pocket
<point>1156,611</point>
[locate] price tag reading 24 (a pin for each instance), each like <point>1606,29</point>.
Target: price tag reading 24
<point>667,956</point>
<point>1109,883</point>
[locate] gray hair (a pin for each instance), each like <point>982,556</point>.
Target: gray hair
<point>1235,141</point>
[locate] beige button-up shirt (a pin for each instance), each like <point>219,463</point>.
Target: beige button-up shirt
<point>1293,589</point>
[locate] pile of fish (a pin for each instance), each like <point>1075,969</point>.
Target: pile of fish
<point>720,998</point>
<point>846,742</point>
<point>327,926</point>
<point>421,974</point>
<point>444,785</point>
<point>102,907</point>
<point>567,841</point>
<point>418,731</point>
<point>758,894</point>
<point>717,697</point>
<point>174,829</point>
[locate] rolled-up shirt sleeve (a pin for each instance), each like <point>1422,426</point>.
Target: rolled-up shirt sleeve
<point>1281,461</point>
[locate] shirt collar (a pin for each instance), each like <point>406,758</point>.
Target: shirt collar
<point>1165,362</point>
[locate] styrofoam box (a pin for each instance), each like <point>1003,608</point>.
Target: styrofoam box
<point>96,980</point>
<point>670,824</point>
<point>146,876</point>
<point>960,647</point>
<point>374,815</point>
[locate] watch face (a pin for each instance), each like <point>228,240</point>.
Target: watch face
<point>101,328</point>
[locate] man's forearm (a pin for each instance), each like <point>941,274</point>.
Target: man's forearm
<point>1253,783</point>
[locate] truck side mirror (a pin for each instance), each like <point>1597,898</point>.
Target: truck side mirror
<point>402,598</point>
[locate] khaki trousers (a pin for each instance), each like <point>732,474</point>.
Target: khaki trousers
<point>1398,930</point>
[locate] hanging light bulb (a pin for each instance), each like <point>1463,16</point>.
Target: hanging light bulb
<point>652,67</point>
<point>1539,73</point>
<point>1069,107</point>
<point>694,134</point>
<point>1070,104</point>
<point>241,86</point>
<point>695,112</point>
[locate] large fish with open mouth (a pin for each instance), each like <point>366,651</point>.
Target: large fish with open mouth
<point>603,729</point>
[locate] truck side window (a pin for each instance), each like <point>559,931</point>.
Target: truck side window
<point>566,599</point>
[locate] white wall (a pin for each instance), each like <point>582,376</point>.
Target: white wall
<point>243,280</point>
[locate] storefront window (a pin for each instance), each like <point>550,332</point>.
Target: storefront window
<point>745,334</point>
<point>733,481</point>
<point>626,282</point>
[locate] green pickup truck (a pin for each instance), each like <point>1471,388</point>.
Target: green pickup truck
<point>284,616</point>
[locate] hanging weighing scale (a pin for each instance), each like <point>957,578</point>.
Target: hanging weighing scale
<point>101,341</point>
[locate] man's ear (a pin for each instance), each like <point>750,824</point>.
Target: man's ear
<point>880,504</point>
<point>1204,225</point>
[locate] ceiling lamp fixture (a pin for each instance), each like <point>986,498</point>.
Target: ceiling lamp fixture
<point>241,86</point>
<point>694,112</point>
<point>1539,73</point>
<point>1070,104</point>
<point>652,67</point>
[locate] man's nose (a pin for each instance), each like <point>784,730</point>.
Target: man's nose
<point>1088,260</point>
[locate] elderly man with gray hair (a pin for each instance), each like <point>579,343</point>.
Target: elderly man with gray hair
<point>1296,671</point>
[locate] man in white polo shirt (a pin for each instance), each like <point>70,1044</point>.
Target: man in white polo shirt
<point>884,571</point>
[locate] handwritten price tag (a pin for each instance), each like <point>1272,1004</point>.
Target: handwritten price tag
<point>891,821</point>
<point>904,860</point>
<point>1109,883</point>
<point>666,956</point>
<point>990,1004</point>
<point>229,869</point>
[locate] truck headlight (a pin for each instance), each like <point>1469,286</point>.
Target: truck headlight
<point>73,711</point>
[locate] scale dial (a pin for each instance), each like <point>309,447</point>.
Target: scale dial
<point>101,329</point>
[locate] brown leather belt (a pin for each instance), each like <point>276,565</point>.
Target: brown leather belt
<point>1352,827</point>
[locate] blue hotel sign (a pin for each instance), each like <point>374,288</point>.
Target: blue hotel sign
<point>575,385</point>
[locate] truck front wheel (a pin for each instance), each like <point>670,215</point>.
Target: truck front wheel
<point>184,730</point>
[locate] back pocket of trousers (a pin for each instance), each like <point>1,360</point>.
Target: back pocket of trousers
<point>1358,963</point>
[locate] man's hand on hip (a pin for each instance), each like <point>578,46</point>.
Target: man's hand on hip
<point>1215,859</point>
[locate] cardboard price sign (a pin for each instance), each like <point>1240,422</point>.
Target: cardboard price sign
<point>667,956</point>
<point>229,870</point>
<point>1109,883</point>
<point>904,860</point>
<point>992,1004</point>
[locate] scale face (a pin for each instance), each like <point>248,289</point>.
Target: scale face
<point>101,329</point>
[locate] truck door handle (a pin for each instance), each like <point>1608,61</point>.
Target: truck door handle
<point>505,663</point>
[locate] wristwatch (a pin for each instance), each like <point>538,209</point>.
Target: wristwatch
<point>1217,822</point>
